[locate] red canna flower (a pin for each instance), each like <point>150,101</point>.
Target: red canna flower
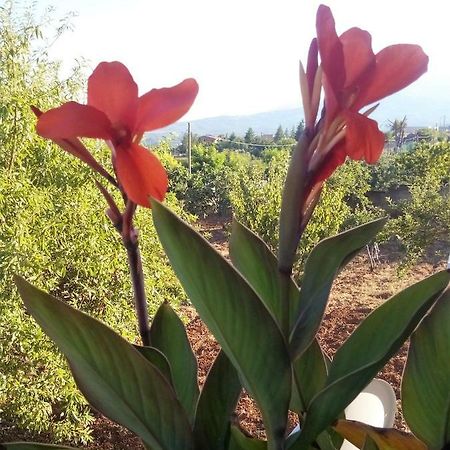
<point>352,77</point>
<point>115,113</point>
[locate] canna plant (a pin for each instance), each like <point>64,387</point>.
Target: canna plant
<point>265,323</point>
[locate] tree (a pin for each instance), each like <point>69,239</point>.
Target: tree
<point>279,134</point>
<point>398,130</point>
<point>300,129</point>
<point>182,147</point>
<point>249,136</point>
<point>293,133</point>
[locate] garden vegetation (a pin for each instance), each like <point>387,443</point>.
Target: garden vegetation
<point>52,222</point>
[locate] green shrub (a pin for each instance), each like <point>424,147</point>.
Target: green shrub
<point>424,219</point>
<point>176,171</point>
<point>420,218</point>
<point>53,236</point>
<point>54,232</point>
<point>403,168</point>
<point>207,190</point>
<point>255,195</point>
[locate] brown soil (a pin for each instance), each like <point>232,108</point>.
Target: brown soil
<point>356,292</point>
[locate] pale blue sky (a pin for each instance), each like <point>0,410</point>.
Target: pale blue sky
<point>244,53</point>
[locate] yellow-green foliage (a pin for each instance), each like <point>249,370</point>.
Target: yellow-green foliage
<point>53,231</point>
<point>255,195</point>
<point>403,168</point>
<point>424,218</point>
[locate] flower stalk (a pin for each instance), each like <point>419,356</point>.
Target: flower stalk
<point>291,217</point>
<point>137,280</point>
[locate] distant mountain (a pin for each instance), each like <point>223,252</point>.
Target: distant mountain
<point>419,112</point>
<point>261,123</point>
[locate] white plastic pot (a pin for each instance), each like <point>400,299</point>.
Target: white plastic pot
<point>375,405</point>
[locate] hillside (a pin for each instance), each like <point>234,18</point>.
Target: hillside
<point>419,112</point>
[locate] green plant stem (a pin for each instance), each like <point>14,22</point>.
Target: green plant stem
<point>290,227</point>
<point>140,300</point>
<point>292,205</point>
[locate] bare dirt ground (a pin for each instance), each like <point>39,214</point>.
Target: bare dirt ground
<point>356,292</point>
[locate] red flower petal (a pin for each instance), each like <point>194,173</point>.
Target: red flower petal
<point>76,148</point>
<point>363,139</point>
<point>111,89</point>
<point>397,66</point>
<point>161,107</point>
<point>330,48</point>
<point>141,174</point>
<point>312,65</point>
<point>73,120</point>
<point>332,161</point>
<point>358,55</point>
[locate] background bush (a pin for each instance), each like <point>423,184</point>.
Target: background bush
<point>255,195</point>
<point>423,218</point>
<point>54,232</point>
<point>402,168</point>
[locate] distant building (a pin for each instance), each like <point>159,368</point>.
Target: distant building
<point>208,139</point>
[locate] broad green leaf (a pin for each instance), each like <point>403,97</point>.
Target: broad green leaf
<point>239,441</point>
<point>426,379</point>
<point>369,444</point>
<point>259,265</point>
<point>32,446</point>
<point>216,404</point>
<point>235,315</point>
<point>292,439</point>
<point>111,373</point>
<point>155,357</point>
<point>251,256</point>
<point>365,352</point>
<point>327,440</point>
<point>310,375</point>
<point>324,262</point>
<point>384,438</point>
<point>168,335</point>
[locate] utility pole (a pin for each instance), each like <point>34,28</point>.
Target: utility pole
<point>189,148</point>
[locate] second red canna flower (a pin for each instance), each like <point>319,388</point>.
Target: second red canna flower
<point>115,113</point>
<point>351,76</point>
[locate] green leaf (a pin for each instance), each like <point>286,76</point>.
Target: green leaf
<point>324,262</point>
<point>384,438</point>
<point>370,444</point>
<point>111,373</point>
<point>251,256</point>
<point>365,352</point>
<point>155,357</point>
<point>168,335</point>
<point>32,446</point>
<point>426,379</point>
<point>216,404</point>
<point>239,441</point>
<point>310,375</point>
<point>235,315</point>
